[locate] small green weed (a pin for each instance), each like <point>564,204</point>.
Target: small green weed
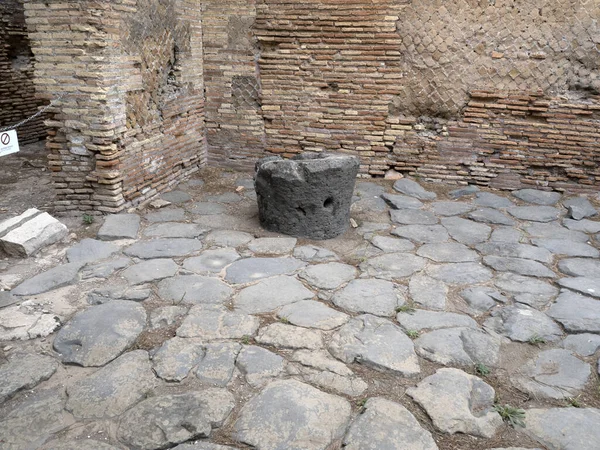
<point>409,309</point>
<point>537,340</point>
<point>88,219</point>
<point>246,339</point>
<point>482,369</point>
<point>413,334</point>
<point>575,402</point>
<point>360,403</point>
<point>284,320</point>
<point>511,415</point>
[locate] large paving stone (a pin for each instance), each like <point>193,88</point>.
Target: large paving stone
<point>258,365</point>
<point>463,191</point>
<point>490,215</point>
<point>105,269</point>
<point>24,371</point>
<point>448,252</point>
<point>402,201</point>
<point>54,278</point>
<point>218,364</point>
<point>228,238</point>
<point>270,294</point>
<point>519,284</point>
<point>100,333</point>
<point>519,266</point>
<point>420,320</point>
<point>160,422</point>
<point>7,299</point>
<point>466,231</point>
<point>564,428</point>
<point>294,416</point>
<point>150,270</point>
<point>272,246</point>
<point>372,296</point>
<point>481,299</point>
<point>312,253</point>
<point>174,360</point>
<point>568,248</point>
<point>329,275</point>
<point>458,403</point>
<point>555,231</point>
<point>311,314</point>
<point>460,273</point>
<point>288,336</point>
<point>213,322</point>
<point>535,213</point>
<point>175,230</point>
<point>254,269</point>
<point>377,343</point>
<point>392,266</point>
<point>515,250</point>
<point>113,389</point>
<point>428,292</point>
<point>521,323</point>
<point>194,289</point>
<point>579,208</point>
<point>119,226</point>
<point>492,200</point>
<point>506,234</point>
<point>176,196</point>
<point>413,189</point>
<point>585,285</point>
<point>207,209</point>
<point>163,248</point>
<point>584,225</point>
<point>555,374</point>
<point>580,267</point>
<point>87,444</point>
<point>352,386</point>
<point>577,313</point>
<point>585,344</point>
<point>199,445</point>
<point>388,244</point>
<point>211,261</point>
<point>166,215</point>
<point>227,198</point>
<point>538,197</point>
<point>23,324</point>
<point>420,234</point>
<point>166,316</point>
<point>413,217</point>
<point>105,295</point>
<point>387,425</point>
<point>451,208</point>
<point>90,250</point>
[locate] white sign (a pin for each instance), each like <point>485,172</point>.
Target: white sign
<point>8,142</point>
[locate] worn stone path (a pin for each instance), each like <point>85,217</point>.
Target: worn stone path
<point>189,327</point>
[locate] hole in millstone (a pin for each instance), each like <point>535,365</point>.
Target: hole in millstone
<point>328,203</point>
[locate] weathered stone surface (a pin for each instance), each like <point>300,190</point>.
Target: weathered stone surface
<point>535,213</point>
<point>460,273</point>
<point>54,278</point>
<point>198,445</point>
<point>27,234</point>
<point>113,389</point>
<point>585,344</point>
<point>519,266</point>
<point>428,292</point>
<point>288,336</point>
<point>312,253</point>
<point>518,284</point>
<point>420,320</point>
<point>367,229</point>
<point>492,200</point>
<point>165,316</point>
<point>392,266</point>
<point>176,196</point>
<point>166,215</point>
<point>163,421</point>
<point>272,246</point>
<point>7,299</point>
<point>538,197</point>
<point>568,248</point>
<point>506,234</point>
<point>90,250</point>
<point>270,294</point>
<point>458,403</point>
<point>175,230</point>
<point>100,296</point>
<point>413,189</point>
<point>174,360</point>
<point>372,296</point>
<point>218,363</point>
<point>463,192</point>
<point>428,234</point>
<point>389,244</point>
<point>253,269</point>
<point>387,425</point>
<point>555,231</point>
<point>584,225</point>
<point>100,333</point>
<point>448,252</point>
<point>413,217</point>
<point>311,314</point>
<point>402,201</point>
<point>585,285</point>
<point>466,231</point>
<point>88,444</point>
<point>564,428</point>
<point>163,248</point>
<point>24,371</point>
<point>352,386</point>
<point>377,343</point>
<point>521,323</point>
<point>514,250</point>
<point>105,269</point>
<point>19,323</point>
<point>451,208</point>
<point>490,215</point>
<point>119,226</point>
<point>482,299</point>
<point>150,270</point>
<point>211,261</point>
<point>227,198</point>
<point>577,313</point>
<point>207,208</point>
<point>554,373</point>
<point>212,322</point>
<point>259,365</point>
<point>329,275</point>
<point>294,416</point>
<point>579,208</point>
<point>194,289</point>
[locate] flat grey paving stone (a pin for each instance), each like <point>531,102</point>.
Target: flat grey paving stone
<point>175,230</point>
<point>105,269</point>
<point>272,246</point>
<point>376,343</point>
<point>322,360</point>
<point>351,386</point>
<point>492,200</point>
<point>174,360</point>
<point>428,234</point>
<point>388,244</point>
<point>194,289</point>
<point>481,299</point>
<point>538,197</point>
<point>207,208</point>
<point>150,270</point>
<point>564,428</point>
<point>371,296</point>
<point>391,266</point>
<point>166,215</point>
<point>57,277</point>
<point>463,191</point>
<point>24,371</point>
<point>490,215</point>
<point>328,275</point>
<point>459,347</point>
<point>119,226</point>
<point>585,344</point>
<point>312,314</point>
<point>88,444</point>
<point>21,323</point>
<point>312,253</point>
<point>35,420</point>
<point>291,415</point>
<point>259,365</point>
<point>554,373</point>
<point>420,320</point>
<point>198,445</point>
<point>519,266</point>
<point>163,248</point>
<point>384,424</point>
<point>451,208</point>
<point>576,313</point>
<point>90,250</point>
<point>448,252</point>
<point>218,364</point>
<point>460,273</point>
<point>176,196</point>
<point>579,208</point>
<point>270,294</point>
<point>99,334</point>
<point>105,295</point>
<point>7,299</point>
<point>113,389</point>
<point>402,201</point>
<point>166,316</point>
<point>513,250</point>
<point>413,189</point>
<point>227,198</point>
<point>281,335</point>
<point>466,231</point>
<point>535,213</point>
<point>370,203</point>
<point>555,231</point>
<point>413,217</point>
<point>585,285</point>
<point>211,261</point>
<point>160,422</point>
<point>214,322</point>
<point>506,234</point>
<point>518,284</point>
<point>521,323</point>
<point>253,269</point>
<point>458,402</point>
<point>428,292</point>
<point>568,248</point>
<point>228,238</point>
<point>367,229</point>
<point>584,225</point>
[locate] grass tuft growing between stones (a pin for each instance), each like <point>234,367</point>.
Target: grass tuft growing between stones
<point>511,415</point>
<point>482,370</point>
<point>87,219</point>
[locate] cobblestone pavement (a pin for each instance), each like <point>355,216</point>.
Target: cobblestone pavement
<point>427,326</point>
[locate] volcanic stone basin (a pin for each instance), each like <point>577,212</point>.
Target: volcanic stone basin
<point>306,196</point>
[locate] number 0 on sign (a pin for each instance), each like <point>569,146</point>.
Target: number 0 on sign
<point>8,142</point>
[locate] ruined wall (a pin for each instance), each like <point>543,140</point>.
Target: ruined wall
<point>17,89</point>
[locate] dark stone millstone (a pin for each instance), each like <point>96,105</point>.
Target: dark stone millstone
<point>307,196</point>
